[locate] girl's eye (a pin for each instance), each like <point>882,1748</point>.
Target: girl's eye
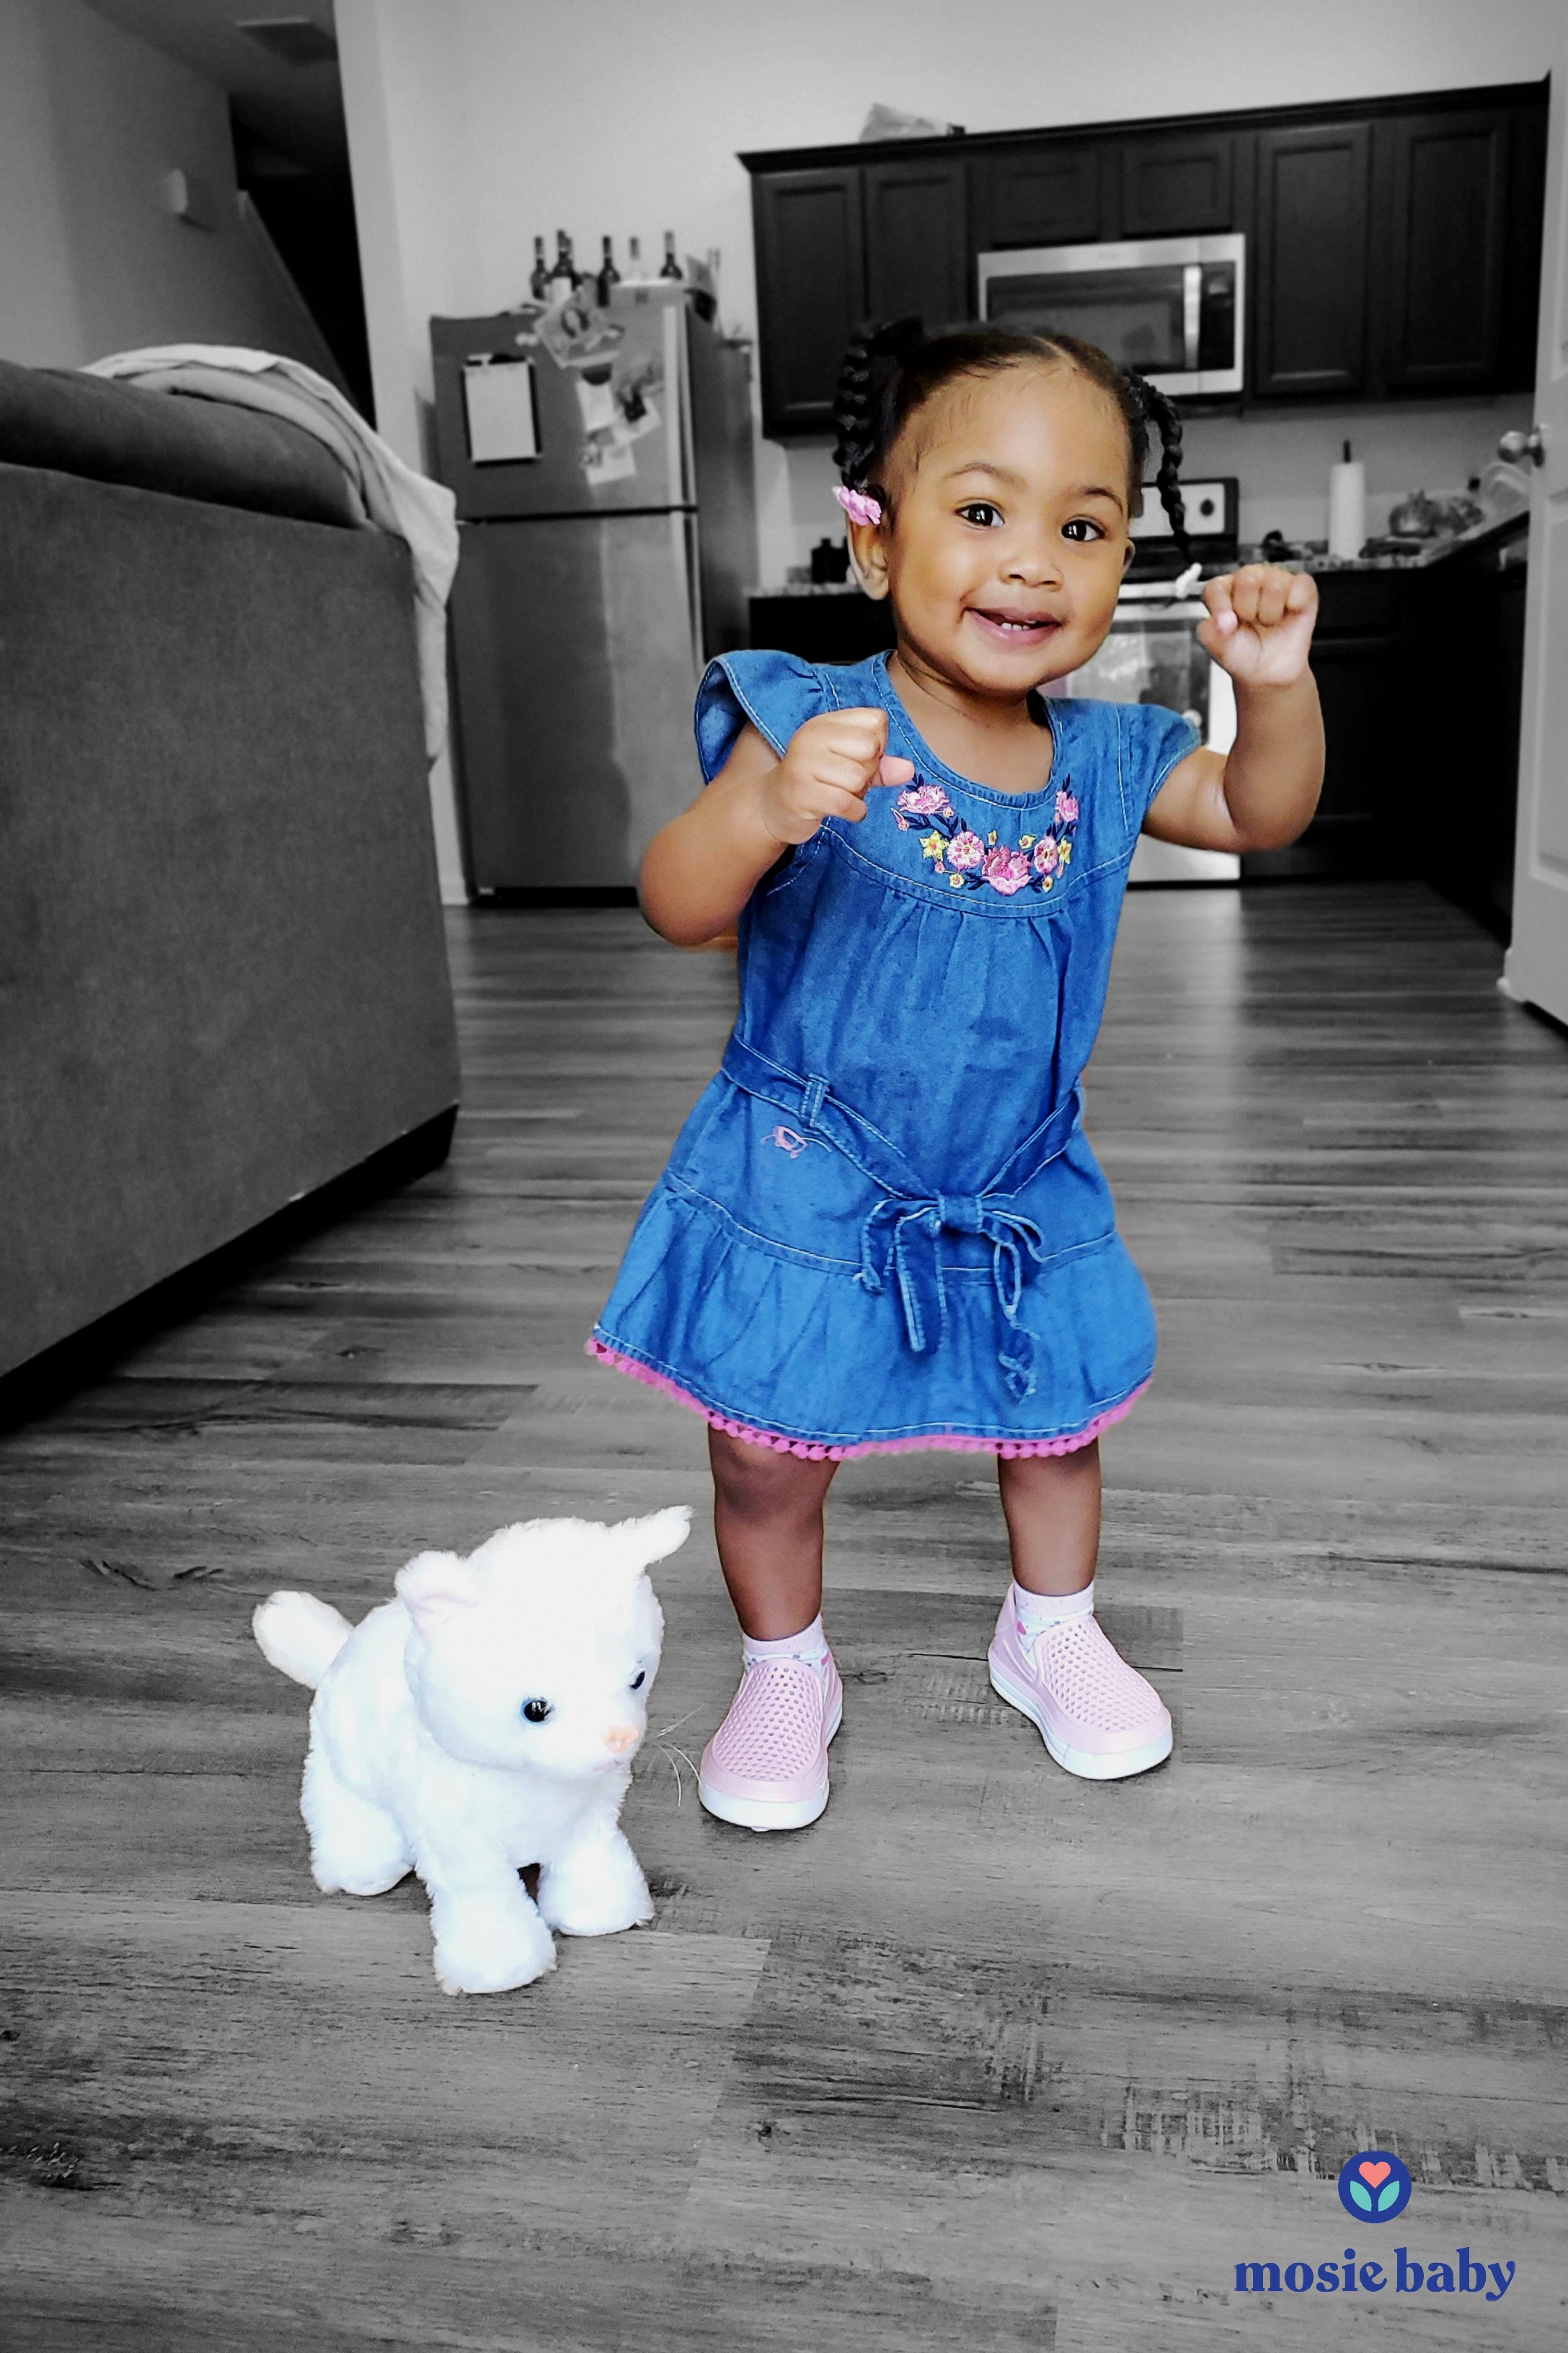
<point>536,1710</point>
<point>982,511</point>
<point>639,1679</point>
<point>1082,528</point>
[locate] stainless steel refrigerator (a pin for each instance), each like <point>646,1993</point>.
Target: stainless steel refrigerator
<point>602,462</point>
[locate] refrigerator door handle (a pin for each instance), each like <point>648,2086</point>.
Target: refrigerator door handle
<point>677,407</point>
<point>683,556</point>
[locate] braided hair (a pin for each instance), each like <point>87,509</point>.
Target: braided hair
<point>891,371</point>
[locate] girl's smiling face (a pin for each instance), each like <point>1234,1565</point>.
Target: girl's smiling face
<point>1007,535</point>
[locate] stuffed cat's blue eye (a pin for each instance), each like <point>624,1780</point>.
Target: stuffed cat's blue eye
<point>536,1710</point>
<point>639,1679</point>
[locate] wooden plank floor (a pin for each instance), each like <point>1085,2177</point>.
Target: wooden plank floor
<point>989,2057</point>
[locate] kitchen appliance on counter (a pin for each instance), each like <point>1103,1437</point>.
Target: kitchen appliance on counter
<point>1152,655</point>
<point>1211,507</point>
<point>1173,307</point>
<point>601,461</point>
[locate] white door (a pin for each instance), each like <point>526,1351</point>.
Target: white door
<point>1537,965</point>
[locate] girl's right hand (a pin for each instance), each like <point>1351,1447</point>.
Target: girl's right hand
<point>828,766</point>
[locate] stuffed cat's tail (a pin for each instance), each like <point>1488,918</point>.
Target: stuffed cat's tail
<point>300,1635</point>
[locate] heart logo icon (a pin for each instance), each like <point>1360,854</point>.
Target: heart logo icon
<point>1375,2185</point>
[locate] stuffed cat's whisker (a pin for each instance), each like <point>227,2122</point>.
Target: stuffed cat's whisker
<point>667,1750</point>
<point>674,1725</point>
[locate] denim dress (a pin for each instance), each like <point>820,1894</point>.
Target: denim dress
<point>882,1227</point>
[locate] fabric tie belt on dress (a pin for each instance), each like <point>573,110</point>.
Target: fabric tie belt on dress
<point>902,1235</point>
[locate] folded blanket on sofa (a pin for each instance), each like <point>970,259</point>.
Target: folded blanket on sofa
<point>68,423</point>
<point>388,495</point>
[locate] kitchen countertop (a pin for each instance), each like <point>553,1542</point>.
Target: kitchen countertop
<point>1303,556</point>
<point>1312,555</point>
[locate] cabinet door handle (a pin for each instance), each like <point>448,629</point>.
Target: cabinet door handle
<point>1191,313</point>
<point>1531,444</point>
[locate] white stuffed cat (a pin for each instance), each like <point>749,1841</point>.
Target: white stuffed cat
<point>485,1719</point>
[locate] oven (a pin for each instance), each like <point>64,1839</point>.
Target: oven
<point>1173,308</point>
<point>1152,655</point>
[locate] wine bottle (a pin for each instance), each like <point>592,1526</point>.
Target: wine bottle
<point>539,283</point>
<point>634,262</point>
<point>609,277</point>
<point>564,276</point>
<point>670,267</point>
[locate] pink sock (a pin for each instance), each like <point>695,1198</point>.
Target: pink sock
<point>810,1643</point>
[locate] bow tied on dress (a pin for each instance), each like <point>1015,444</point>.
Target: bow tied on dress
<point>902,1238</point>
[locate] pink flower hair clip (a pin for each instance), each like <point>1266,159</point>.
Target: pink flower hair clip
<point>856,505</point>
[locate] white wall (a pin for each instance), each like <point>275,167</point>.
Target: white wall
<point>91,260</point>
<point>476,125</point>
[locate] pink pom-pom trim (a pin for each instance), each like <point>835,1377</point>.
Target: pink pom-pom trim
<point>1010,1449</point>
<point>856,505</point>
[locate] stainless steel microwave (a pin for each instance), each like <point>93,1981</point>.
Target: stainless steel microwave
<point>1173,307</point>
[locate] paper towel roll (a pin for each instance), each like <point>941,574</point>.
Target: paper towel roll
<point>1347,508</point>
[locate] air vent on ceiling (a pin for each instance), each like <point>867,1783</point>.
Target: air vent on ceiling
<point>293,41</point>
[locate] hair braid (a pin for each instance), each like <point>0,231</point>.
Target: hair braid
<point>865,380</point>
<point>1160,410</point>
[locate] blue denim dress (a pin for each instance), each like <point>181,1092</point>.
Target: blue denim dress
<point>882,1226</point>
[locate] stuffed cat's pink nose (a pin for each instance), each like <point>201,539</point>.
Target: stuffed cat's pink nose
<point>620,1737</point>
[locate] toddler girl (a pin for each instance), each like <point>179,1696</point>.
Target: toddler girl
<point>882,1227</point>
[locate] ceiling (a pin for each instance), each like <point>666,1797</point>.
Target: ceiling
<point>299,109</point>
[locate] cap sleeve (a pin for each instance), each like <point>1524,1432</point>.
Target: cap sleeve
<point>774,693</point>
<point>1153,741</point>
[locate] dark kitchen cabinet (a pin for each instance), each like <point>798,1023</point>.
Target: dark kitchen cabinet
<point>1394,244</point>
<point>1440,214</point>
<point>1176,186</point>
<point>1521,248</point>
<point>1463,797</point>
<point>811,290</point>
<point>1356,659</point>
<point>1309,263</point>
<point>1047,192</point>
<point>844,244</point>
<point>1399,798</point>
<point>917,243</point>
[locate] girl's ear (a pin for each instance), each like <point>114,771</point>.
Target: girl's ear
<point>868,558</point>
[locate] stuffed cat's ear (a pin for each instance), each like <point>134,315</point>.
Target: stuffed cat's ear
<point>435,1588</point>
<point>638,1543</point>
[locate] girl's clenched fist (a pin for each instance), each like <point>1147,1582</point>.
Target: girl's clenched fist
<point>828,766</point>
<point>1261,623</point>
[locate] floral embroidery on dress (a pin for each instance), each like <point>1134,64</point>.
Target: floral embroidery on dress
<point>920,800</point>
<point>1036,862</point>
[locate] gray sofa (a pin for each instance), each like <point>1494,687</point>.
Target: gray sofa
<point>223,975</point>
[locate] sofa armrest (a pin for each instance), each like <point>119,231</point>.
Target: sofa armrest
<point>188,449</point>
<point>222,977</point>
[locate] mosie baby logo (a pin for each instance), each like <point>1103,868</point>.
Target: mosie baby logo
<point>1376,2183</point>
<point>1374,2186</point>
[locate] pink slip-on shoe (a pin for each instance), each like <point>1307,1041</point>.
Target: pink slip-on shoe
<point>1095,1715</point>
<point>766,1766</point>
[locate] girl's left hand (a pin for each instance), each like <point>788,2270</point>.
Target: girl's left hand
<point>1261,623</point>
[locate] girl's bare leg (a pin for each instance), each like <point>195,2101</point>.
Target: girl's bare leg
<point>1050,1657</point>
<point>1051,1502</point>
<point>768,1519</point>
